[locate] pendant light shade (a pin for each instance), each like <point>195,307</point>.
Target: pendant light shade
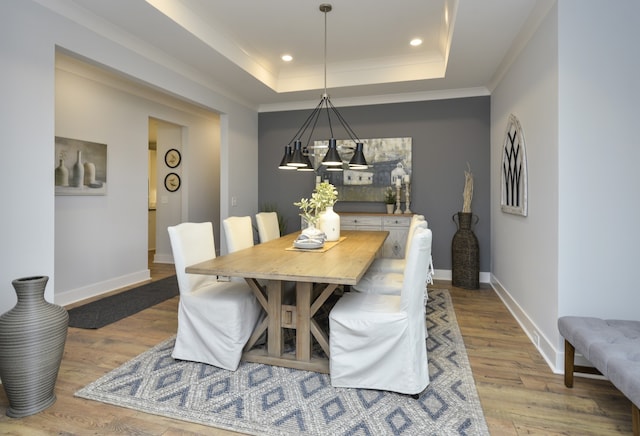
<point>358,162</point>
<point>332,161</point>
<point>284,163</point>
<point>305,158</point>
<point>297,160</point>
<point>332,158</point>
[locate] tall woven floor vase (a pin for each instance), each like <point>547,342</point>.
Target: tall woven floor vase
<point>465,253</point>
<point>32,338</point>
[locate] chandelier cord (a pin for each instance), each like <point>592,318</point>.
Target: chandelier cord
<point>347,127</point>
<point>326,95</point>
<point>312,120</point>
<point>305,125</point>
<point>327,103</point>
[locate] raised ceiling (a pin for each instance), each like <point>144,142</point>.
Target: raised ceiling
<point>362,49</point>
<point>236,45</point>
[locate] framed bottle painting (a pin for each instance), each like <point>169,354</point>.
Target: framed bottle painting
<point>80,167</point>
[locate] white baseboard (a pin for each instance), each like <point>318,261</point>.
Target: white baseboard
<point>95,289</point>
<point>163,258</point>
<point>553,356</point>
<point>445,274</point>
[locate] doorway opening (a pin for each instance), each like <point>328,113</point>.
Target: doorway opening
<point>164,200</point>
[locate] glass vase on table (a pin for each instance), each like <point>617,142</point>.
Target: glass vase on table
<point>311,230</point>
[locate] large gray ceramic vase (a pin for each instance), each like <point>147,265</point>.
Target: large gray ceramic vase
<point>32,338</point>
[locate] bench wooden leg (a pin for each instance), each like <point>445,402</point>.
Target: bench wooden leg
<point>570,367</point>
<point>569,356</point>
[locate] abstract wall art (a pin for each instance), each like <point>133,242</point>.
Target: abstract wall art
<point>389,161</point>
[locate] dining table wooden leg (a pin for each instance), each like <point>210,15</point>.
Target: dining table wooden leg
<point>303,315</point>
<point>274,303</point>
<point>316,331</point>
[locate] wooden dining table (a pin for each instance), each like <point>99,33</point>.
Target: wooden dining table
<point>317,273</point>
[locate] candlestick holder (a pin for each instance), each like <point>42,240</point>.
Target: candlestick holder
<point>398,211</point>
<point>407,198</point>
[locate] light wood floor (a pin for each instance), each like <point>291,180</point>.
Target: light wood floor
<point>519,394</point>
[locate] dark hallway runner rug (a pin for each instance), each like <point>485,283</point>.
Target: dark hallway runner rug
<point>110,309</point>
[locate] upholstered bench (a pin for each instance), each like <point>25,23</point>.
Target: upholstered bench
<point>612,346</point>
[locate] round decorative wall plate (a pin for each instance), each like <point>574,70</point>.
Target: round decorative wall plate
<point>172,158</point>
<point>172,182</point>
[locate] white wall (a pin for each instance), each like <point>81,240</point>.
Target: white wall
<point>524,249</point>
<point>101,238</point>
<point>599,158</point>
<point>239,182</point>
<point>27,122</point>
<point>574,89</point>
<point>169,211</point>
<point>101,241</point>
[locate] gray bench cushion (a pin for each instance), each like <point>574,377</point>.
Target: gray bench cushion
<point>625,375</point>
<point>612,346</point>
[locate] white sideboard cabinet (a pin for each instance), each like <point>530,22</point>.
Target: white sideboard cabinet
<point>396,225</point>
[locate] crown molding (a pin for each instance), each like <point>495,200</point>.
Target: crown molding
<point>537,15</point>
<point>381,99</point>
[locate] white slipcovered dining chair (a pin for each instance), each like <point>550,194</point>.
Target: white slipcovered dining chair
<point>268,227</point>
<point>389,281</point>
<point>238,232</point>
<point>378,341</point>
<point>215,319</point>
<point>387,264</point>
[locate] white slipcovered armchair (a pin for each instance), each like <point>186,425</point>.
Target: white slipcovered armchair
<point>215,319</point>
<point>378,341</point>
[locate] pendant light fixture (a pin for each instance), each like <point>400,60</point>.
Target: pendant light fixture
<point>296,156</point>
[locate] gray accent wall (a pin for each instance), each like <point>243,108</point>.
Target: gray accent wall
<point>447,134</point>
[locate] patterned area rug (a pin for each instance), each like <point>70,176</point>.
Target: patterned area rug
<point>268,400</point>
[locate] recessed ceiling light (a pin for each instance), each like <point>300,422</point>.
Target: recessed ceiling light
<point>287,58</point>
<point>415,42</point>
